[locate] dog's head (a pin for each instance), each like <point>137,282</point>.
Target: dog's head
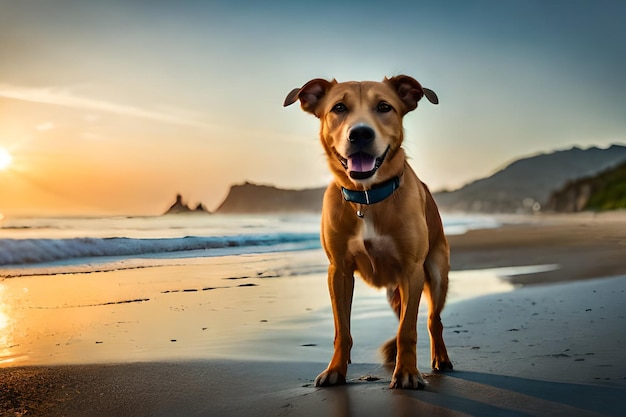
<point>361,123</point>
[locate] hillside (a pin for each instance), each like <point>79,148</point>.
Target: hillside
<point>522,186</point>
<point>605,191</point>
<point>255,199</point>
<point>527,183</point>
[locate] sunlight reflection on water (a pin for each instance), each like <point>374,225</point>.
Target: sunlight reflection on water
<point>474,283</point>
<point>6,324</point>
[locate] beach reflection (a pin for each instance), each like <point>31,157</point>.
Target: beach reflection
<point>6,328</point>
<point>475,283</point>
<point>265,306</point>
<point>470,284</point>
<point>201,309</point>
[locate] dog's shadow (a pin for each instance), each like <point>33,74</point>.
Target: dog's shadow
<point>462,393</point>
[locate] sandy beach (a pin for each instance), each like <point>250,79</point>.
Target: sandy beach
<point>534,326</point>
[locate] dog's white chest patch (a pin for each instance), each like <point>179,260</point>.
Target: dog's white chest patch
<point>370,235</point>
<point>373,248</point>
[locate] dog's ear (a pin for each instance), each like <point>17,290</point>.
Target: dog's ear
<point>410,91</point>
<point>309,95</point>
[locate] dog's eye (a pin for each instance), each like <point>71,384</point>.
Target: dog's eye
<point>339,108</point>
<point>384,107</point>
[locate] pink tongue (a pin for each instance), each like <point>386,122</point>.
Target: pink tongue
<point>361,162</point>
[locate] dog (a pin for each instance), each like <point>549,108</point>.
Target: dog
<point>378,219</point>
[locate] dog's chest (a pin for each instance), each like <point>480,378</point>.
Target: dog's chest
<point>375,253</point>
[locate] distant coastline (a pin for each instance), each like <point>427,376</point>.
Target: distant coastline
<point>525,186</point>
<point>254,198</point>
<point>250,198</point>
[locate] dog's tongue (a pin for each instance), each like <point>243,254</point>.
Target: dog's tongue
<point>361,162</point>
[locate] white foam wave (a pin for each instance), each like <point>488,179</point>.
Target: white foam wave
<point>37,251</point>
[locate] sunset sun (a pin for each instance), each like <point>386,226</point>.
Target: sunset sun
<point>5,159</point>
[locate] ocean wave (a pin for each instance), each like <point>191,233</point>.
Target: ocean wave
<point>38,251</point>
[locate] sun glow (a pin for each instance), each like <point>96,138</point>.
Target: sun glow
<point>5,159</point>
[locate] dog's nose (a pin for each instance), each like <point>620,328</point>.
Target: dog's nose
<point>361,135</point>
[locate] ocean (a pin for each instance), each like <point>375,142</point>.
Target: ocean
<point>84,243</point>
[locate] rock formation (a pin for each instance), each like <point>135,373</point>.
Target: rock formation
<point>180,207</point>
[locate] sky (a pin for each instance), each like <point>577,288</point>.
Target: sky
<point>113,107</point>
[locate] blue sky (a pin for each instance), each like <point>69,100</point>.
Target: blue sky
<point>144,99</point>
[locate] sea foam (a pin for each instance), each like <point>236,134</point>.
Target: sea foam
<point>37,251</point>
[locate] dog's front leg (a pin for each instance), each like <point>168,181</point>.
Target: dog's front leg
<point>406,374</point>
<point>341,287</point>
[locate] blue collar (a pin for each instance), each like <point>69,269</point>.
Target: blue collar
<point>377,194</point>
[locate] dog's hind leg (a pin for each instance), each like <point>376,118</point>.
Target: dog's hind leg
<point>389,350</point>
<point>436,289</point>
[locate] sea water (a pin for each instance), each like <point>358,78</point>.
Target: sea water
<point>90,242</point>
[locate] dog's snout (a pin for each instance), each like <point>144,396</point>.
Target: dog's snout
<point>361,135</point>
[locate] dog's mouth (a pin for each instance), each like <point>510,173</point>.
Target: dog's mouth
<point>361,165</point>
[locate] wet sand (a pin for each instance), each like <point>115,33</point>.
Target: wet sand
<point>252,345</point>
<point>582,245</point>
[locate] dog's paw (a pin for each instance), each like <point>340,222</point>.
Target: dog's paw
<point>442,366</point>
<point>407,380</point>
<point>330,378</point>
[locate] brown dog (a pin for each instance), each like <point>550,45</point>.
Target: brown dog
<point>378,218</point>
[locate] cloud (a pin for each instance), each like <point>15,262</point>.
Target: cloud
<point>65,98</point>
